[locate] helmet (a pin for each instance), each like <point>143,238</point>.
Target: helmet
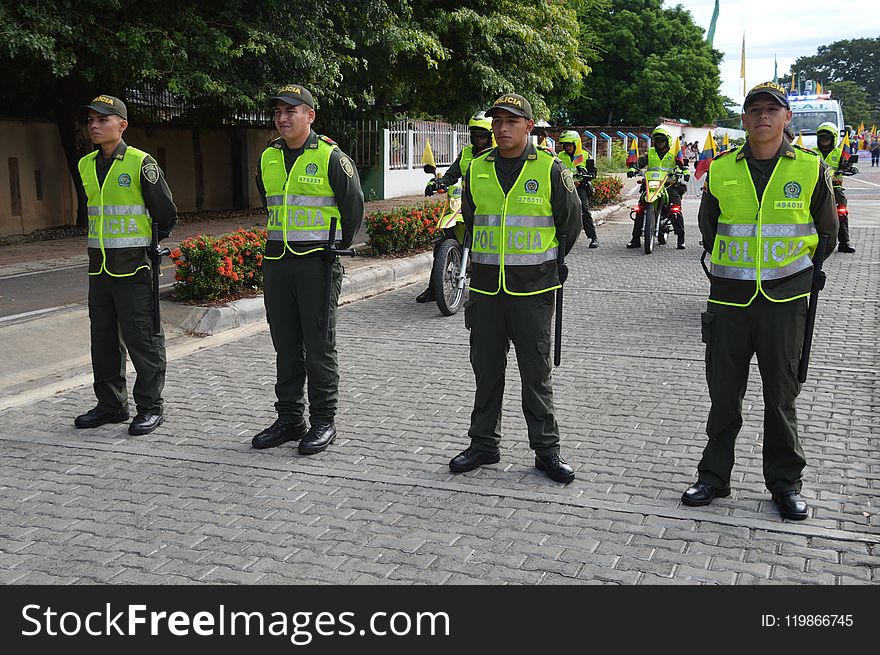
<point>480,121</point>
<point>570,136</point>
<point>661,132</point>
<point>828,128</point>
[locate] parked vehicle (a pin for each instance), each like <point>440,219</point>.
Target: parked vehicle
<point>451,251</point>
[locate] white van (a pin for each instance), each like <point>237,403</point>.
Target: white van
<point>810,111</point>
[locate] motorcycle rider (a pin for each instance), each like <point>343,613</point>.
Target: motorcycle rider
<point>660,156</point>
<point>480,128</point>
<point>827,142</point>
<point>582,171</point>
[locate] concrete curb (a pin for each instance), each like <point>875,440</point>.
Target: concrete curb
<point>362,282</point>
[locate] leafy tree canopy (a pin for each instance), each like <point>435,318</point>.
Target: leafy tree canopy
<point>654,62</point>
<point>855,60</point>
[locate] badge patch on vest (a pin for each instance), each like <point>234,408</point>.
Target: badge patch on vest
<point>531,186</point>
<point>792,190</point>
<point>312,169</point>
<point>151,173</point>
<point>124,180</point>
<point>347,166</point>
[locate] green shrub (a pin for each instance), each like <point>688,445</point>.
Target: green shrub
<point>217,268</point>
<point>606,189</point>
<point>614,164</point>
<point>403,229</point>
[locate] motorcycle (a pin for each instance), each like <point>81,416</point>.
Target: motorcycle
<point>451,252</point>
<point>654,205</point>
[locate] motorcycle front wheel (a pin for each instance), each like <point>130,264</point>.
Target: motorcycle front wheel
<point>650,219</point>
<point>444,276</point>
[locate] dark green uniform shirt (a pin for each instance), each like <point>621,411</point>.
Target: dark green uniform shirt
<point>157,200</point>
<point>822,208</point>
<point>346,189</point>
<point>566,215</point>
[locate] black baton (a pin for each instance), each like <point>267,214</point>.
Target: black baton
<point>331,251</point>
<point>156,254</point>
<point>818,285</point>
<point>560,263</point>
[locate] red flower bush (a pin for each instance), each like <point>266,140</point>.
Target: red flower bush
<point>606,189</point>
<point>403,229</point>
<point>214,268</point>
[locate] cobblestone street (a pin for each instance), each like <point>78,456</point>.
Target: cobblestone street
<point>193,503</point>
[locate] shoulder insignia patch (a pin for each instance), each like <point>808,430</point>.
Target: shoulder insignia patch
<point>829,179</point>
<point>347,166</point>
<point>567,180</point>
<point>276,143</point>
<point>805,150</point>
<point>327,139</point>
<point>151,172</point>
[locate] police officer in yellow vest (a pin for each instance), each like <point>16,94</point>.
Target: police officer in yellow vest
<point>763,209</point>
<point>125,191</point>
<point>827,137</point>
<point>307,184</point>
<point>583,169</point>
<point>480,128</point>
<point>660,156</point>
<point>518,199</point>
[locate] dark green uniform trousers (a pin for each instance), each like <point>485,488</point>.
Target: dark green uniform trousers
<point>294,294</point>
<point>121,316</point>
<point>774,331</point>
<point>495,321</point>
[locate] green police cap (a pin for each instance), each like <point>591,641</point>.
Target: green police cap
<point>295,94</point>
<point>107,105</point>
<point>769,88</point>
<point>513,103</point>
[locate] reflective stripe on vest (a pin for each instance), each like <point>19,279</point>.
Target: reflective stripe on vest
<point>516,229</point>
<point>302,203</point>
<point>770,240</point>
<point>118,217</point>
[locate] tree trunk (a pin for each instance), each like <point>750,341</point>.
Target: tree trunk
<point>71,94</point>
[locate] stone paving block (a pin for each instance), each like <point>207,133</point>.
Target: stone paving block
<point>705,577</point>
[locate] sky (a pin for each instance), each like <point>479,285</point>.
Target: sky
<point>788,29</point>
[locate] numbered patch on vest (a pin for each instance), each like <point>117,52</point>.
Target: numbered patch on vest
<point>151,173</point>
<point>124,180</point>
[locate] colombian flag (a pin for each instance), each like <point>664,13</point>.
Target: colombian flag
<point>846,148</point>
<point>633,155</point>
<point>578,158</point>
<point>725,145</point>
<point>676,151</point>
<point>706,157</point>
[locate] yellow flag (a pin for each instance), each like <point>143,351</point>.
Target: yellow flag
<point>861,128</point>
<point>726,142</point>
<point>428,154</point>
<point>742,67</point>
<point>818,87</point>
<point>799,141</point>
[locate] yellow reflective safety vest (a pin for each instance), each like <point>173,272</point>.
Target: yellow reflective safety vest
<point>512,230</point>
<point>118,217</point>
<point>667,163</point>
<point>768,240</point>
<point>301,204</point>
<point>467,156</point>
<point>833,161</point>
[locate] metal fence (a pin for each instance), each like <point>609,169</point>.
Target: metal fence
<point>408,139</point>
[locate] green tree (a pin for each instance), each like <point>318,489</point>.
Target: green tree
<point>856,60</point>
<point>654,62</point>
<point>853,101</point>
